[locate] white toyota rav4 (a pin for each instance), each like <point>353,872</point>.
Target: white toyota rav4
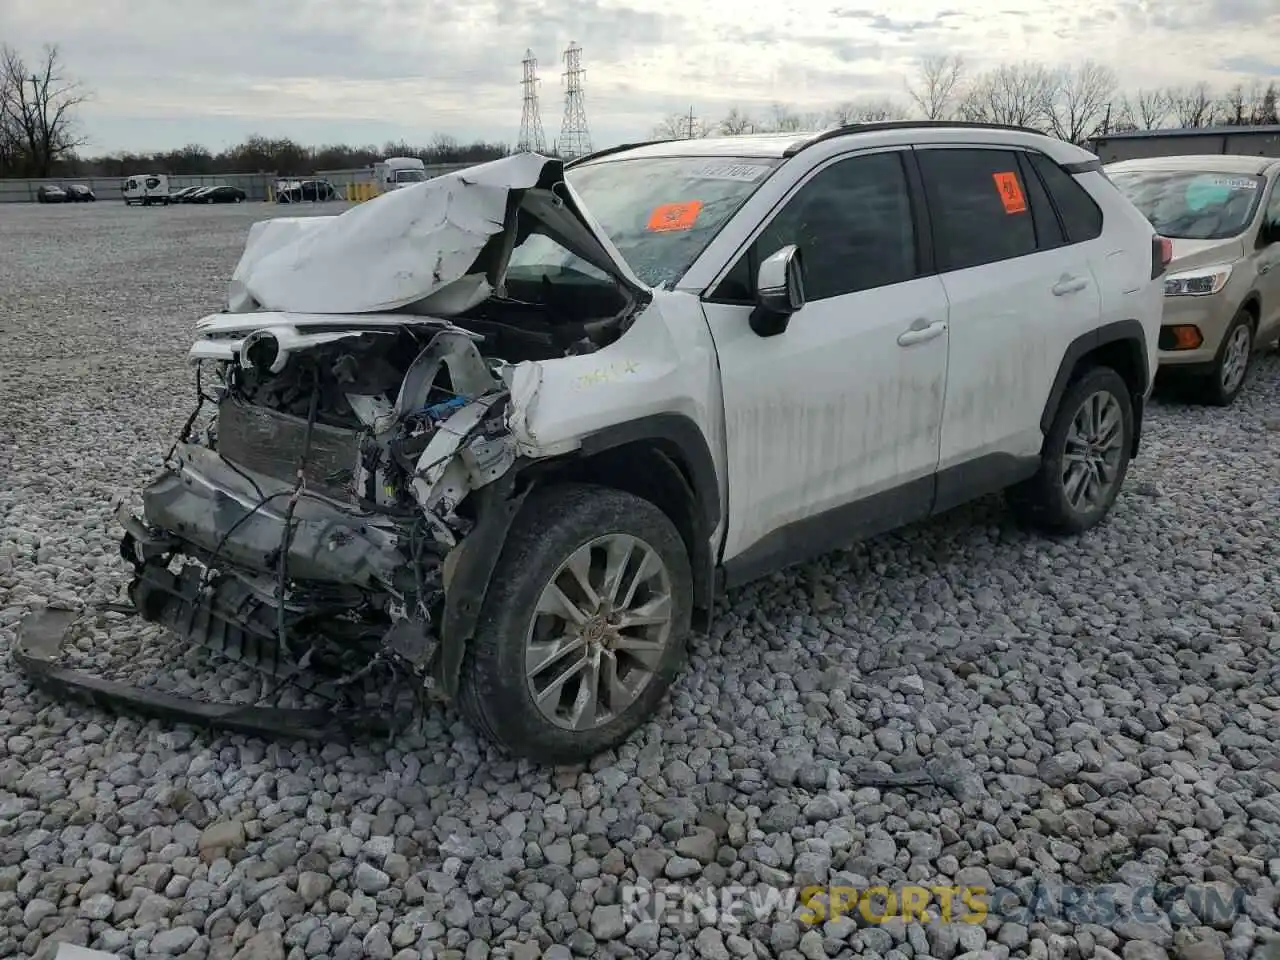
<point>514,428</point>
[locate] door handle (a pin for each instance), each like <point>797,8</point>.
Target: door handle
<point>1265,267</point>
<point>1068,284</point>
<point>918,333</point>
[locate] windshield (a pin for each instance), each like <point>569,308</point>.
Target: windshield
<point>659,213</point>
<point>410,176</point>
<point>1192,204</point>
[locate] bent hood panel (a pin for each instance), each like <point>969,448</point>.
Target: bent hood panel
<point>420,245</point>
<point>1189,254</point>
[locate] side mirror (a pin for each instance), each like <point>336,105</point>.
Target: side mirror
<point>779,292</point>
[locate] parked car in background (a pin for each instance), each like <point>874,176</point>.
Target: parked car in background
<point>749,351</point>
<point>79,193</point>
<point>222,193</point>
<point>50,193</point>
<point>146,189</point>
<point>1222,293</point>
<point>303,191</point>
<point>183,195</point>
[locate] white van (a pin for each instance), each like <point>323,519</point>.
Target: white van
<point>146,189</point>
<point>396,172</point>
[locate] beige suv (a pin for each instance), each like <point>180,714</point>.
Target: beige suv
<point>1222,292</point>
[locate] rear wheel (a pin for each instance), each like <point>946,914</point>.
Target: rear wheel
<point>1085,457</point>
<point>584,626</point>
<point>1231,367</point>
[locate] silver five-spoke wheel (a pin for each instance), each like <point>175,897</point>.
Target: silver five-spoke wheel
<point>1235,361</point>
<point>599,632</point>
<point>1093,456</point>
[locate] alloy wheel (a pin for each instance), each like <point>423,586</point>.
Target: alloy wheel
<point>599,632</point>
<point>1094,452</point>
<point>1235,361</point>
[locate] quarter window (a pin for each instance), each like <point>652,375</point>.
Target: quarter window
<point>1080,215</point>
<point>978,202</point>
<point>1273,208</point>
<point>853,224</point>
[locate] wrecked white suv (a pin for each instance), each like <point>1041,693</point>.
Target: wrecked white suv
<point>516,427</point>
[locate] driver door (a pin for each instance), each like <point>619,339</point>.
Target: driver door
<point>1268,261</point>
<point>833,426</point>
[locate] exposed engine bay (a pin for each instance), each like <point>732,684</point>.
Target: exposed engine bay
<point>355,479</point>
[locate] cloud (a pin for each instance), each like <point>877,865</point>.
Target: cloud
<point>165,72</point>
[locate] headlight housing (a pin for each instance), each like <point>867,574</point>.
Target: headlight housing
<point>1200,282</point>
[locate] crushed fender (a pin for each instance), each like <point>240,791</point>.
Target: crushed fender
<point>333,521</point>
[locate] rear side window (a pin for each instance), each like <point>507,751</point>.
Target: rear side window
<point>978,201</point>
<point>1080,215</point>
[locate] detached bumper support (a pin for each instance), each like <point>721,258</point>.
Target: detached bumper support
<point>38,649</point>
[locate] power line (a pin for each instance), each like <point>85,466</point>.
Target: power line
<point>575,137</point>
<point>531,135</point>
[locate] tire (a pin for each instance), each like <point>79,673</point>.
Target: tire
<point>1216,389</point>
<point>1043,501</point>
<point>555,523</point>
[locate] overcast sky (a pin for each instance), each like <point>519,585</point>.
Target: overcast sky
<point>168,72</point>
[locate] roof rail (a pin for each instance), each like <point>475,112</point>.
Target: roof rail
<point>618,148</point>
<point>852,128</point>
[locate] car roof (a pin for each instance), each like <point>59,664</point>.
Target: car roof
<point>1211,162</point>
<point>897,132</point>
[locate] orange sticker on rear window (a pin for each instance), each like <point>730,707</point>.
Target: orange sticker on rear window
<point>675,216</point>
<point>1010,192</point>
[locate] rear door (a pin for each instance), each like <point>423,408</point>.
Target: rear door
<point>1019,293</point>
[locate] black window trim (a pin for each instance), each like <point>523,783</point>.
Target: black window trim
<point>925,266</point>
<point>1071,171</point>
<point>1029,171</point>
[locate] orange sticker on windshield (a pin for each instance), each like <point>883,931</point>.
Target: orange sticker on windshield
<point>1010,191</point>
<point>675,216</point>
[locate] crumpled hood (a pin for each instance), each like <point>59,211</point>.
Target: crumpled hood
<point>439,247</point>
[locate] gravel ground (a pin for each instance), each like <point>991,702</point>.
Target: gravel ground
<point>1098,711</point>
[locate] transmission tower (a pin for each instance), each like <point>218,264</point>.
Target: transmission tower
<point>575,138</point>
<point>531,135</point>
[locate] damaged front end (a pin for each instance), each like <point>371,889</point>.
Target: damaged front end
<point>343,507</point>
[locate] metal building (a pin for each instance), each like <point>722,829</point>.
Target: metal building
<point>1140,144</point>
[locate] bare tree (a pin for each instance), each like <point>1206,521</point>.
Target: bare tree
<point>783,119</point>
<point>683,126</point>
<point>37,108</point>
<point>865,111</point>
<point>1015,94</point>
<point>936,87</point>
<point>1192,106</point>
<point>736,123</point>
<point>1080,100</point>
<point>1148,109</point>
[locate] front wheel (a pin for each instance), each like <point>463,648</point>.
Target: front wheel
<point>1231,366</point>
<point>1085,457</point>
<point>584,627</point>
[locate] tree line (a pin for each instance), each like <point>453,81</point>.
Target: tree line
<point>1072,103</point>
<point>39,135</point>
